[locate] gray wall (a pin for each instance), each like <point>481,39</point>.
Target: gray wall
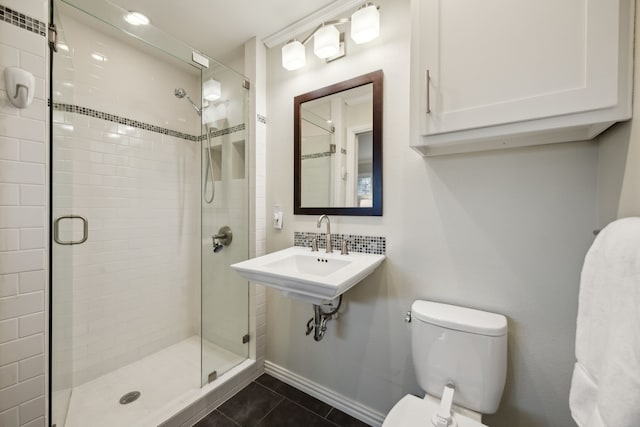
<point>619,174</point>
<point>503,231</point>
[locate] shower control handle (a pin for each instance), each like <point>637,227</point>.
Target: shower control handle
<point>224,236</point>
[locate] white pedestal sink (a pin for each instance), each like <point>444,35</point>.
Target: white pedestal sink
<point>313,277</point>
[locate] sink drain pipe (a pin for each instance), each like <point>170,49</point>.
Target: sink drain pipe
<point>318,323</point>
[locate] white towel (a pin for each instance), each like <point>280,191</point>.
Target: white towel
<point>605,388</point>
<point>583,399</point>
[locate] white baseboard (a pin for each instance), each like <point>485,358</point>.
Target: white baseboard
<point>338,401</point>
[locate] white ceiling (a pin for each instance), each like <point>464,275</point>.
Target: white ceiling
<point>219,27</point>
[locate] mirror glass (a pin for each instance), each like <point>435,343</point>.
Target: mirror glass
<point>338,148</point>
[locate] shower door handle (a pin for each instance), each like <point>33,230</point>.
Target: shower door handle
<point>56,230</point>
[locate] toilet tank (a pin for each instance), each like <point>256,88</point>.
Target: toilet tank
<point>460,345</point>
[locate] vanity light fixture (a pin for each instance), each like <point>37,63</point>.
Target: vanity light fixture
<point>211,90</point>
<point>365,26</point>
<point>136,19</point>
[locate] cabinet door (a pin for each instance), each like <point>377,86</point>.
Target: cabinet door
<point>504,61</point>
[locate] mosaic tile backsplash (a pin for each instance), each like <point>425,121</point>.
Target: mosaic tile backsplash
<point>364,244</point>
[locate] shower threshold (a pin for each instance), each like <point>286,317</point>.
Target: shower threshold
<point>168,381</point>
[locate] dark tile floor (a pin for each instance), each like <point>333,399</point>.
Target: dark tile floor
<point>268,402</point>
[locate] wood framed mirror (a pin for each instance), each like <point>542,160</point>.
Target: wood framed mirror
<point>337,136</point>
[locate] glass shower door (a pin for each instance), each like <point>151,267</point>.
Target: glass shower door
<point>146,290</point>
<point>225,222</point>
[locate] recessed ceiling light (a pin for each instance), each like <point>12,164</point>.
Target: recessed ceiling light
<point>136,19</point>
<point>98,57</point>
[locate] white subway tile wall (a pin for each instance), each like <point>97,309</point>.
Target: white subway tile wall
<point>135,282</point>
<point>103,85</point>
<point>23,154</point>
<point>224,293</point>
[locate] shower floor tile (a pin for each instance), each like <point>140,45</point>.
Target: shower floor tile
<point>268,402</point>
<point>161,378</point>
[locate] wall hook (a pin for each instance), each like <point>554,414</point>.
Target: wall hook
<point>20,85</point>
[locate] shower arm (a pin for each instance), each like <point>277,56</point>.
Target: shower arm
<point>195,107</point>
<point>181,93</point>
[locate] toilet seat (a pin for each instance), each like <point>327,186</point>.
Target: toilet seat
<point>412,411</point>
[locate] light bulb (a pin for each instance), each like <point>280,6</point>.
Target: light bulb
<point>99,57</point>
<point>136,19</point>
<point>293,55</point>
<point>326,41</point>
<point>365,24</point>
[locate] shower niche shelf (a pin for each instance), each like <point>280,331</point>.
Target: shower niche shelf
<point>228,160</point>
<point>216,159</point>
<point>237,160</point>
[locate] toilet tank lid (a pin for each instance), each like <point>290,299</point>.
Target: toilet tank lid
<point>460,318</point>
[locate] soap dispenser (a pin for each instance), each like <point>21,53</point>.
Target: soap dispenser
<point>20,85</point>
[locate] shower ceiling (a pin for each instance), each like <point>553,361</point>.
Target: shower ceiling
<point>219,27</point>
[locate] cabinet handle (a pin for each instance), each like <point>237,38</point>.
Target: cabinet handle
<point>428,80</point>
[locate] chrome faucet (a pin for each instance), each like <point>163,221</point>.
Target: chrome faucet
<point>323,217</point>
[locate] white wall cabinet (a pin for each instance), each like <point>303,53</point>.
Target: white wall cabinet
<point>507,73</point>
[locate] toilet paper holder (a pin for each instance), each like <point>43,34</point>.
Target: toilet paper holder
<point>20,85</point>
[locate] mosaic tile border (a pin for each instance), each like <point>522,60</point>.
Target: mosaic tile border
<point>357,243</point>
<point>227,131</point>
<point>23,21</point>
<point>70,108</point>
<point>316,155</point>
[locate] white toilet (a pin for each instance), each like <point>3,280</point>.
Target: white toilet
<point>462,347</point>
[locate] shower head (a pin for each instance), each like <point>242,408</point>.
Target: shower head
<point>181,93</point>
